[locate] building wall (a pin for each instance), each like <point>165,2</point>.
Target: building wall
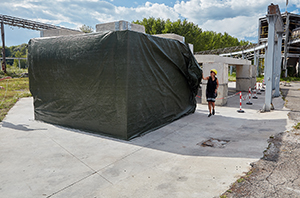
<point>119,25</point>
<point>58,32</point>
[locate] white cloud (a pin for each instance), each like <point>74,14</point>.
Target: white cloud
<point>154,10</point>
<point>236,17</point>
<point>240,26</point>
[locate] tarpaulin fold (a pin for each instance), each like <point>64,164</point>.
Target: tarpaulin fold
<point>119,83</point>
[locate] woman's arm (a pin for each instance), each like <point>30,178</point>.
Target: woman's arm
<point>217,86</point>
<point>205,78</point>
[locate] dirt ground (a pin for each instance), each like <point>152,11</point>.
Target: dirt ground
<point>277,173</point>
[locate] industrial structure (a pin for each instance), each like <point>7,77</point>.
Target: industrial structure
<point>290,52</point>
<point>279,47</point>
<point>290,44</point>
<point>28,24</point>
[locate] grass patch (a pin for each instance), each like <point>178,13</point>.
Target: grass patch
<point>289,79</point>
<point>260,79</point>
<point>250,172</point>
<point>10,92</point>
<point>12,72</point>
<point>232,78</point>
<point>240,180</point>
<point>297,126</point>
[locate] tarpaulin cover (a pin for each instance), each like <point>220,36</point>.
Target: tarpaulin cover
<point>120,83</point>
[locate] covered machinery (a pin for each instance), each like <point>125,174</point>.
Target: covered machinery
<point>118,83</point>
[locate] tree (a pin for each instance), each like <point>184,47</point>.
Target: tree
<point>19,51</point>
<point>86,29</point>
<point>202,40</point>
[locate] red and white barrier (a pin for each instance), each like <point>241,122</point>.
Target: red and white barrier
<point>254,93</point>
<point>249,102</point>
<point>240,110</point>
<point>258,85</point>
<point>263,86</point>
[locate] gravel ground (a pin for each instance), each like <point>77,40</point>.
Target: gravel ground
<point>277,173</point>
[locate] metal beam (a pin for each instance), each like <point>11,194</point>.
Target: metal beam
<point>13,58</point>
<point>293,55</point>
<point>272,18</point>
<point>28,24</point>
<point>278,64</point>
<point>3,47</point>
<point>286,41</point>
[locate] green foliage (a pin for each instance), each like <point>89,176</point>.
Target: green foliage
<point>240,180</point>
<point>13,72</point>
<point>86,29</point>
<point>232,78</point>
<point>289,79</point>
<point>297,126</point>
<point>19,51</point>
<point>202,40</point>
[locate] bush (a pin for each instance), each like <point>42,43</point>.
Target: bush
<point>13,72</point>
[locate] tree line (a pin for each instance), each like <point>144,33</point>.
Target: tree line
<point>19,51</point>
<point>202,40</point>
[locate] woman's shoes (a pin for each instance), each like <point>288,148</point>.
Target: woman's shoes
<point>213,113</point>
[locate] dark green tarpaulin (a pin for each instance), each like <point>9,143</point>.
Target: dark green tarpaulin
<point>121,83</point>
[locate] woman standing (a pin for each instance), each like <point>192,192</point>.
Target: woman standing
<point>211,90</point>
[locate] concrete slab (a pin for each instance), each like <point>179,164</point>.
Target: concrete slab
<point>43,160</point>
<point>220,59</point>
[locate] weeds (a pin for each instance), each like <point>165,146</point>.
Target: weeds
<point>261,78</point>
<point>289,79</point>
<point>10,92</point>
<point>297,126</point>
<point>240,180</point>
<point>13,72</point>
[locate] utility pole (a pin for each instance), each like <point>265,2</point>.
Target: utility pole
<point>3,47</point>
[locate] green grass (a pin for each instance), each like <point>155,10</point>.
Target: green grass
<point>297,126</point>
<point>240,180</point>
<point>12,89</point>
<point>232,77</point>
<point>12,72</point>
<point>289,79</point>
<point>261,78</point>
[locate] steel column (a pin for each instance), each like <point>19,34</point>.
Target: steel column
<point>278,64</point>
<point>3,47</point>
<point>274,65</point>
<point>270,61</point>
<point>286,40</point>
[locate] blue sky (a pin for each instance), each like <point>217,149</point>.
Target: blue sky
<point>236,17</point>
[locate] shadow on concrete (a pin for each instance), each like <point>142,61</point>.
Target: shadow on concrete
<point>20,127</point>
<point>284,92</point>
<point>247,138</point>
